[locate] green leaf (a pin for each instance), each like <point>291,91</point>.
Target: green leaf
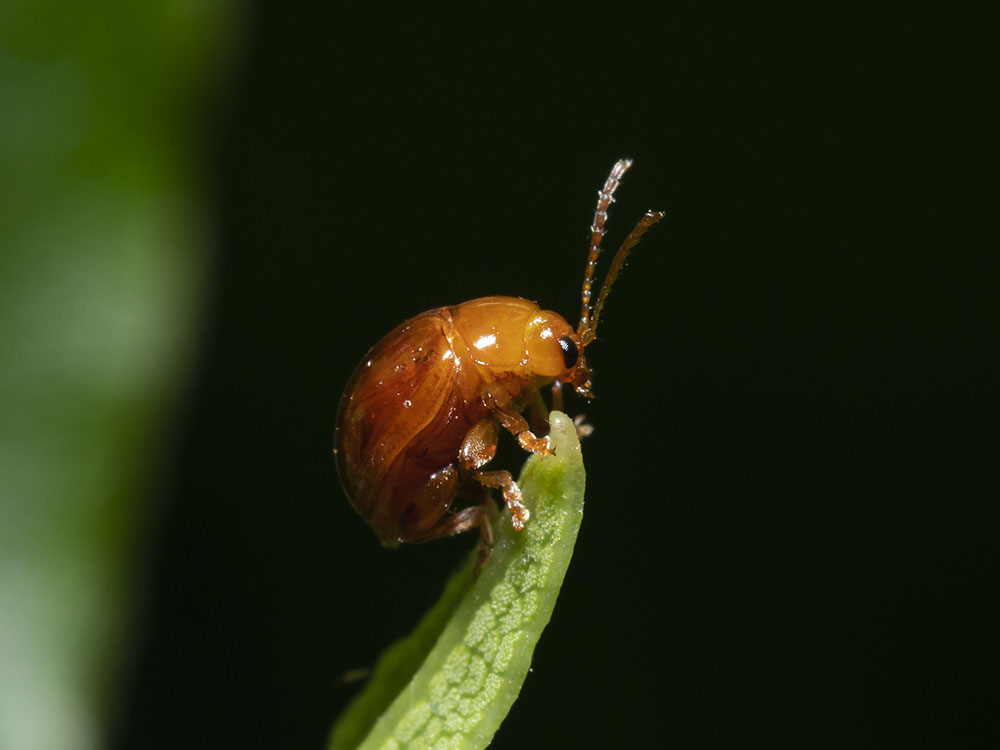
<point>101,257</point>
<point>452,681</point>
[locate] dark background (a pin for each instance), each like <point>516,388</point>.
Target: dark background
<point>789,530</point>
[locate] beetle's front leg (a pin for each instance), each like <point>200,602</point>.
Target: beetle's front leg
<point>538,414</point>
<point>478,449</point>
<point>499,401</point>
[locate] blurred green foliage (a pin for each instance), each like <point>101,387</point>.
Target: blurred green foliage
<point>102,253</point>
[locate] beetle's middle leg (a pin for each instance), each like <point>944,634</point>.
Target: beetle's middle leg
<point>502,480</point>
<point>557,396</point>
<point>478,449</point>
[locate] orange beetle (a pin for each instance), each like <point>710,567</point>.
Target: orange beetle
<point>421,414</point>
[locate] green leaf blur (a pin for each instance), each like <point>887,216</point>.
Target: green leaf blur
<point>101,256</point>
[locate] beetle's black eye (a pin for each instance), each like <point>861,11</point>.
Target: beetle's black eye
<point>570,353</point>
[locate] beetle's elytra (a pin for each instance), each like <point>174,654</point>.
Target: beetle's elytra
<point>420,417</point>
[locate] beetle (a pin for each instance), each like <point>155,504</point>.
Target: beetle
<point>420,416</point>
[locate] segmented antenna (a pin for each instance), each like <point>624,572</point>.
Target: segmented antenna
<point>617,263</point>
<point>604,201</point>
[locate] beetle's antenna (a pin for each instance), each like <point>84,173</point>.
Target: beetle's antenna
<point>604,201</point>
<point>631,241</point>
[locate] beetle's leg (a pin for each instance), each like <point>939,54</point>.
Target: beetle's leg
<point>480,515</point>
<point>466,520</point>
<point>538,413</point>
<point>518,427</point>
<point>557,396</point>
<point>498,401</point>
<point>479,445</point>
<point>486,541</point>
<point>478,449</point>
<point>519,513</point>
<point>580,420</point>
<point>582,428</point>
<point>456,523</point>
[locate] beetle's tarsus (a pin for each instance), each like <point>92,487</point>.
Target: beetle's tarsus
<point>502,480</point>
<point>531,442</point>
<point>516,424</point>
<point>519,514</point>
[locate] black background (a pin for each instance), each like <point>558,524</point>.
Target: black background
<point>789,534</point>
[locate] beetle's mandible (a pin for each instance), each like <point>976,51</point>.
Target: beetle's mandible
<point>421,415</point>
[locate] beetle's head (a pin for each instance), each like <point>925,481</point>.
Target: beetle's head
<point>555,351</point>
<point>554,348</point>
